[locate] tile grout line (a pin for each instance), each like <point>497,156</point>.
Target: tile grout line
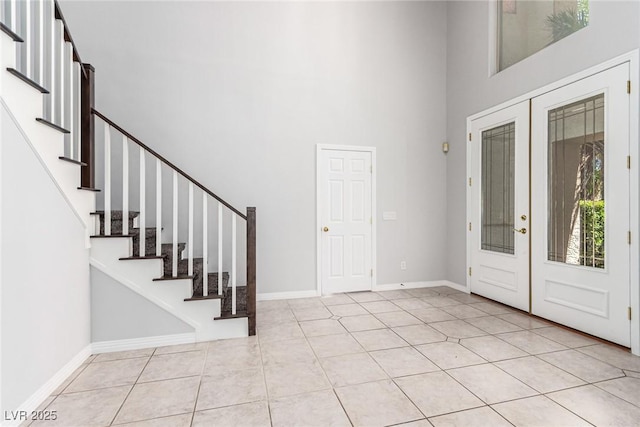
<point>132,387</point>
<point>264,375</point>
<point>195,402</point>
<point>333,390</point>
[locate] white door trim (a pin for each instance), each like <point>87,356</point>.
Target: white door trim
<point>633,58</point>
<point>372,150</point>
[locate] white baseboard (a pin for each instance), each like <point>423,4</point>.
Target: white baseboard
<point>139,343</point>
<point>461,288</point>
<point>36,399</point>
<point>414,285</point>
<point>286,295</point>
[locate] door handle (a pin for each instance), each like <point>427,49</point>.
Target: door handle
<point>325,229</point>
<point>521,230</point>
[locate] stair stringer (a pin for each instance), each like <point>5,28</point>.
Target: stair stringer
<point>169,295</point>
<point>25,103</point>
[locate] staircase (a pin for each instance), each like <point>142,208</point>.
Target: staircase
<point>166,257</point>
<point>149,225</point>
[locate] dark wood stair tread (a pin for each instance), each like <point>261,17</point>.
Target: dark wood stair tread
<point>201,298</point>
<point>75,162</point>
<point>238,315</point>
<point>117,214</point>
<point>98,236</point>
<point>52,125</point>
<point>89,189</point>
<point>27,80</point>
<point>5,29</point>
<point>159,279</point>
<point>133,258</point>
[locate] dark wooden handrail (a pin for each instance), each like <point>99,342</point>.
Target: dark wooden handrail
<point>167,162</point>
<point>68,38</point>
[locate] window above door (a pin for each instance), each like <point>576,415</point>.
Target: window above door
<point>524,27</point>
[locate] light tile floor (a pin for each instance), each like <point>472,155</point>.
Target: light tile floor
<point>422,357</point>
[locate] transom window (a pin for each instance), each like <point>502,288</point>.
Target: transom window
<point>525,26</point>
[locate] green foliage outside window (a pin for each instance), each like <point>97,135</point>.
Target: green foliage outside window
<point>568,21</point>
<point>592,232</point>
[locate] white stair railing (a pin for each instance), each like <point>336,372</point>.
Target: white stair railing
<point>48,59</point>
<point>186,224</point>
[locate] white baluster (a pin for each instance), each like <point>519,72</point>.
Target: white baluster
<point>29,39</point>
<point>158,207</point>
<point>14,15</point>
<point>233,263</point>
<point>47,57</point>
<point>40,29</point>
<point>143,202</point>
<point>219,248</point>
<point>205,247</point>
<point>107,180</point>
<point>190,261</point>
<point>56,81</point>
<point>20,17</point>
<point>68,102</point>
<point>77,105</point>
<point>125,185</point>
<point>51,62</point>
<point>174,266</point>
<point>61,72</point>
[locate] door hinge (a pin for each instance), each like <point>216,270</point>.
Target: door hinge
<point>629,312</point>
<point>372,272</point>
<point>629,237</point>
<point>628,86</point>
<point>469,136</point>
<point>371,169</point>
<point>469,181</point>
<point>628,162</point>
<point>469,226</point>
<point>469,271</point>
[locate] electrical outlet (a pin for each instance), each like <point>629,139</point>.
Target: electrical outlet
<point>403,265</point>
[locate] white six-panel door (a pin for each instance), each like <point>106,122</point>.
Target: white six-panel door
<point>499,206</point>
<point>580,214</point>
<point>346,220</point>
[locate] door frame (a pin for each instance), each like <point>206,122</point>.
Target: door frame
<point>633,59</point>
<point>333,147</point>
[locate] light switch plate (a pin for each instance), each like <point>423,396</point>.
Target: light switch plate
<point>389,216</point>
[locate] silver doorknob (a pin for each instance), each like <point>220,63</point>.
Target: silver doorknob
<point>521,230</point>
<point>325,229</point>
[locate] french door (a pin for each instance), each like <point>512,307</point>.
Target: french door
<point>498,223</point>
<point>550,234</point>
<point>580,221</point>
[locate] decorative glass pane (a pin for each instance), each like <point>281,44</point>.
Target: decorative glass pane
<point>498,164</point>
<point>576,190</point>
<point>525,27</point>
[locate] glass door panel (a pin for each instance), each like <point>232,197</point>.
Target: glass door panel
<point>576,193</point>
<point>498,164</point>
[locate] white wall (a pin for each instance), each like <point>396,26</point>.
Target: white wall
<point>238,94</point>
<point>118,313</point>
<point>614,29</point>
<point>45,273</point>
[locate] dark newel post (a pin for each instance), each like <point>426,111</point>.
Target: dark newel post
<point>87,121</point>
<point>251,269</point>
